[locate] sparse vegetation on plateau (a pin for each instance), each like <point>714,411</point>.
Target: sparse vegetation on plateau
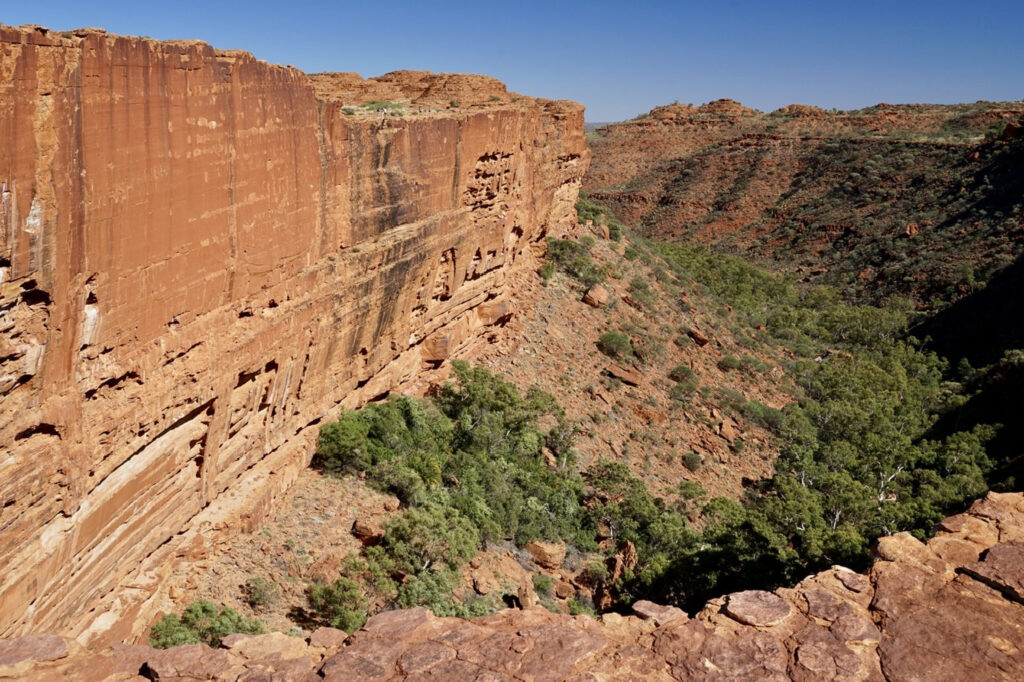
<point>381,105</point>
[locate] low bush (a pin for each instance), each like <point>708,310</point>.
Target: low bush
<point>728,363</point>
<point>340,604</point>
<point>574,259</point>
<point>542,585</point>
<point>641,291</point>
<point>692,461</point>
<point>615,345</point>
<point>681,373</point>
<point>682,390</point>
<point>201,622</point>
<point>260,592</point>
<point>381,105</point>
<point>599,215</point>
<point>469,467</point>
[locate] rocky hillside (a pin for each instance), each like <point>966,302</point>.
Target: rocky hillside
<point>627,409</point>
<point>871,200</point>
<point>202,256</point>
<point>950,609</point>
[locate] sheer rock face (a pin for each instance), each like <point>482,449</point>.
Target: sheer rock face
<point>919,613</point>
<point>200,259</point>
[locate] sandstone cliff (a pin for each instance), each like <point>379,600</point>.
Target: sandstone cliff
<point>950,609</point>
<point>201,256</point>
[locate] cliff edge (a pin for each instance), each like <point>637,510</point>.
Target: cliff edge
<point>950,609</point>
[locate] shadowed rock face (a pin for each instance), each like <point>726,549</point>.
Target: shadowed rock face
<point>948,610</point>
<point>200,259</point>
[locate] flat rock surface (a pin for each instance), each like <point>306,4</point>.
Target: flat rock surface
<point>32,648</point>
<point>758,608</point>
<point>1002,567</point>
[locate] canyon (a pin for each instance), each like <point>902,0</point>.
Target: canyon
<point>202,256</point>
<point>205,257</point>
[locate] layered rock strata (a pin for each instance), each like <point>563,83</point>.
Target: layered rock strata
<point>201,256</point>
<point>950,609</point>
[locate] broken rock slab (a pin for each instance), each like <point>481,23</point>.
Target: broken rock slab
<point>549,555</point>
<point>17,655</point>
<point>1002,567</point>
<point>596,296</point>
<point>757,608</point>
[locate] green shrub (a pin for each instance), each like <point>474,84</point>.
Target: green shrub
<point>581,606</point>
<point>260,592</point>
<point>682,390</point>
<point>729,362</point>
<point>589,210</point>
<point>202,621</point>
<point>542,585</point>
<point>380,105</point>
<point>752,364</point>
<point>615,345</point>
<point>641,291</point>
<point>340,604</point>
<point>546,271</point>
<point>169,631</point>
<point>691,490</point>
<point>681,373</point>
<point>430,535</point>
<point>692,461</point>
<point>468,463</point>
<point>574,259</point>
<point>433,590</point>
<point>768,417</point>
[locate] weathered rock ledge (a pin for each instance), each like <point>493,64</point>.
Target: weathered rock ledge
<point>950,609</point>
<point>201,257</point>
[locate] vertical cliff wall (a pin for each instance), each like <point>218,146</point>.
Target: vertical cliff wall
<point>200,258</point>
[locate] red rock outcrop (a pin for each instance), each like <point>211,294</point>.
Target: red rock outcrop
<point>946,610</point>
<point>201,256</point>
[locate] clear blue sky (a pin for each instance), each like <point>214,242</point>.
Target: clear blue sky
<point>618,60</point>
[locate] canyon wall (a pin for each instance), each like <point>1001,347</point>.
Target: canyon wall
<point>201,257</point>
<point>868,199</point>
